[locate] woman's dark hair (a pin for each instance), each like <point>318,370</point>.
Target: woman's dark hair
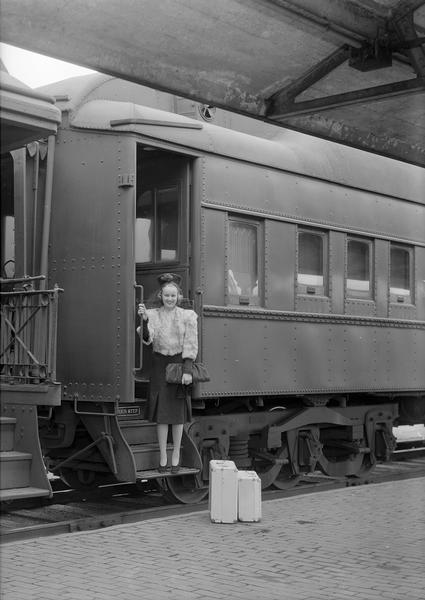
<point>169,278</point>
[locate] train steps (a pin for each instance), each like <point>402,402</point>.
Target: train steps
<point>16,466</point>
<point>146,454</point>
<point>136,430</point>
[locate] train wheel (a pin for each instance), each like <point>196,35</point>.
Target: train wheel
<point>274,469</point>
<point>190,488</point>
<point>183,489</point>
<point>285,478</point>
<point>368,464</point>
<point>83,479</point>
<point>349,466</point>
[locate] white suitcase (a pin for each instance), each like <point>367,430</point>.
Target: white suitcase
<point>249,496</point>
<point>223,491</point>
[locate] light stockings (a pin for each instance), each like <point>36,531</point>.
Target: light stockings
<point>162,432</point>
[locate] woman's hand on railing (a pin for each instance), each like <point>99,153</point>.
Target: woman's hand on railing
<point>142,312</point>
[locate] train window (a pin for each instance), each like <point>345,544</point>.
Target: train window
<point>243,272</point>
<point>359,268</point>
<point>401,265</point>
<point>144,226</point>
<point>157,232</point>
<point>311,271</point>
<point>167,224</point>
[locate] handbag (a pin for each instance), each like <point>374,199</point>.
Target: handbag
<point>174,373</point>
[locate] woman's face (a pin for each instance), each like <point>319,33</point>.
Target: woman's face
<point>169,296</point>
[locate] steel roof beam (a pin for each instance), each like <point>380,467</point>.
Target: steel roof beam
<point>381,92</point>
<point>406,30</point>
<point>282,103</point>
<point>281,100</point>
<point>352,20</point>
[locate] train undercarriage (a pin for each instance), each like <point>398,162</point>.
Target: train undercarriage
<point>280,441</point>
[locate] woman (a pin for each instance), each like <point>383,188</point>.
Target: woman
<point>173,333</point>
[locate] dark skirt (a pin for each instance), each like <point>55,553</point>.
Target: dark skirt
<point>167,403</point>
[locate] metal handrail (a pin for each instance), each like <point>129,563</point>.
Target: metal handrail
<point>200,312</point>
<point>26,279</point>
<point>140,324</point>
<point>28,335</point>
<point>104,436</point>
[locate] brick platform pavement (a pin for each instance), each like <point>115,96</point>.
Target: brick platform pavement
<point>362,543</point>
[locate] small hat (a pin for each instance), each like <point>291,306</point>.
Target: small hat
<point>169,278</point>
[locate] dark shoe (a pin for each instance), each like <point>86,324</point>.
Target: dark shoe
<point>175,469</point>
<point>162,469</point>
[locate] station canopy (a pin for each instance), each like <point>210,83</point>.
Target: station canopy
<point>351,71</point>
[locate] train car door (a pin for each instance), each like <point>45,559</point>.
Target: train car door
<point>162,241</point>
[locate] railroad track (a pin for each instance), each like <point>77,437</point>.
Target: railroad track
<point>69,511</point>
<point>408,453</point>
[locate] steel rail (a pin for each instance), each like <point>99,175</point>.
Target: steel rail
<point>309,484</point>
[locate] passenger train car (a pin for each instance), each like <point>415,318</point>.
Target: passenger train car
<point>305,261</point>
